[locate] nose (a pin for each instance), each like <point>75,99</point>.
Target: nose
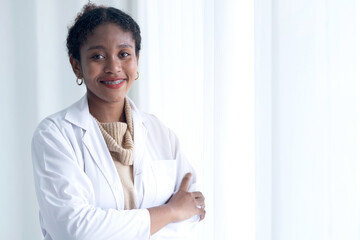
<point>113,65</point>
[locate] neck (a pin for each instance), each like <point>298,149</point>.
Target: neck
<point>107,112</point>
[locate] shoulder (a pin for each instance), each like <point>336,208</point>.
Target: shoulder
<point>51,123</point>
<point>150,121</point>
<point>159,133</point>
<point>62,120</point>
<point>154,124</point>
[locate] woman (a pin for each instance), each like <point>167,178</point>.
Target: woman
<point>103,169</point>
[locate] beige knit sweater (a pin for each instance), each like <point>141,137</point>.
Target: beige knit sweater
<point>119,138</point>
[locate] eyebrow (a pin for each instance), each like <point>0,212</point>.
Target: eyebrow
<point>124,45</point>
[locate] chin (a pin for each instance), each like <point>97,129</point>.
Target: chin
<point>116,99</point>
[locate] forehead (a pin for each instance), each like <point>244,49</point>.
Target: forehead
<point>109,34</point>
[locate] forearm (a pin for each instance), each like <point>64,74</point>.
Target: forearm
<point>160,217</point>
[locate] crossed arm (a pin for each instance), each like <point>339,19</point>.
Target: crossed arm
<point>65,209</point>
<point>182,205</point>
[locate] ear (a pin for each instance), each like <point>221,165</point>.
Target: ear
<point>137,58</point>
<point>76,66</point>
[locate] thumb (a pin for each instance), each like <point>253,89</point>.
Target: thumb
<point>185,182</point>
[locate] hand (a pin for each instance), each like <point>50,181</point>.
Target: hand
<point>187,204</point>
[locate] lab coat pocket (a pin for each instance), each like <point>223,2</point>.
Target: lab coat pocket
<point>165,175</point>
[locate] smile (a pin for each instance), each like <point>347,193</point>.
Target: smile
<point>113,84</point>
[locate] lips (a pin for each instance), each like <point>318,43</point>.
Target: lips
<point>113,82</point>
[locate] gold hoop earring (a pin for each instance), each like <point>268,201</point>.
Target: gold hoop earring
<point>81,81</point>
<point>137,76</point>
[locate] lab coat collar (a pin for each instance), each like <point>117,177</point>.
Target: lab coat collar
<point>79,114</point>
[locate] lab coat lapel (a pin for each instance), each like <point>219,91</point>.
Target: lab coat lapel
<point>94,142</point>
<point>140,135</point>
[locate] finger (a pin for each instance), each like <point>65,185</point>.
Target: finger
<point>198,195</point>
<point>202,213</point>
<point>185,182</point>
<point>200,202</point>
<point>200,205</point>
<point>202,216</point>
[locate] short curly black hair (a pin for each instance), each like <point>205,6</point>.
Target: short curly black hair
<point>92,16</point>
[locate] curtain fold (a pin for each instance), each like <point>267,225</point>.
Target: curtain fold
<point>313,113</point>
<point>263,95</point>
<point>197,67</point>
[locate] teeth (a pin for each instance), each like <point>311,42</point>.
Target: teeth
<point>113,82</point>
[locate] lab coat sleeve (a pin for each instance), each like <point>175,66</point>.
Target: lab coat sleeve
<point>185,229</point>
<point>64,192</point>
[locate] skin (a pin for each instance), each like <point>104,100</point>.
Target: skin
<point>109,53</point>
<point>181,206</point>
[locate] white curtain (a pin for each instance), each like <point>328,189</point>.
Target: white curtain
<point>307,122</point>
<point>198,77</point>
<point>263,95</point>
<point>297,115</point>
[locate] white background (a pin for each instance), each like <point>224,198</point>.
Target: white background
<point>263,95</point>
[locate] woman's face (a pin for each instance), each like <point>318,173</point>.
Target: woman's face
<point>108,63</point>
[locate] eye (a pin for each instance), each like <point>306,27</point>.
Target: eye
<point>124,54</point>
<point>97,56</point>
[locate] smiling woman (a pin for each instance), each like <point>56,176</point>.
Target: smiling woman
<point>103,169</point>
<point>108,65</point>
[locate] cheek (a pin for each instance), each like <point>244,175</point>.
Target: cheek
<point>133,67</point>
<point>91,70</point>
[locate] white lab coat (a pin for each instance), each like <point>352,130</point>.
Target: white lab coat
<point>78,188</point>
